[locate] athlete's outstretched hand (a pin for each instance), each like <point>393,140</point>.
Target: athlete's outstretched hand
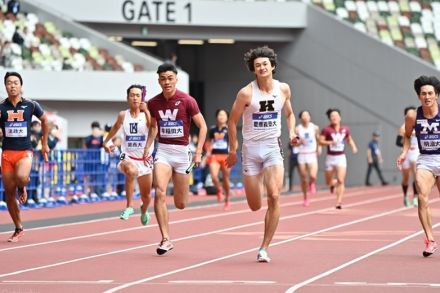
<point>400,160</point>
<point>295,141</point>
<point>109,148</point>
<point>231,160</point>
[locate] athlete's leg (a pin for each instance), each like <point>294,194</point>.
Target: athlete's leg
<point>214,168</point>
<point>131,172</point>
<point>425,181</point>
<point>304,182</point>
<point>226,182</point>
<point>341,171</point>
<point>413,172</point>
<point>144,183</point>
<point>273,179</point>
<point>162,175</point>
<point>253,187</point>
<point>23,170</point>
<point>181,189</point>
<point>313,172</point>
<point>10,185</point>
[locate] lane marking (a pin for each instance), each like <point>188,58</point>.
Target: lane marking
<point>349,194</point>
<point>223,214</point>
<point>390,284</point>
<point>353,261</point>
<point>215,282</point>
<point>56,282</point>
<point>212,233</point>
<point>127,285</point>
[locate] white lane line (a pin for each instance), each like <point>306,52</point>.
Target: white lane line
<point>56,282</point>
<point>205,234</point>
<point>223,214</point>
<point>353,261</point>
<point>127,285</point>
<point>215,282</point>
<point>390,284</point>
<point>348,195</point>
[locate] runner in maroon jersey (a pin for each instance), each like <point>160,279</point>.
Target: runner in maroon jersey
<point>171,115</point>
<point>334,137</point>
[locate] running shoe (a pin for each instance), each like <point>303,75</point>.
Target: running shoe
<point>415,202</point>
<point>18,233</point>
<point>306,202</point>
<point>145,218</point>
<point>263,256</point>
<point>227,206</point>
<point>339,207</point>
<point>22,195</point>
<point>312,187</point>
<point>431,247</point>
<point>164,246</point>
<point>406,201</point>
<point>126,213</point>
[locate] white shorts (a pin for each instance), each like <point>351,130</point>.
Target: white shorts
<point>411,157</point>
<point>138,163</point>
<point>178,157</point>
<point>256,156</point>
<point>333,161</point>
<point>307,158</point>
<point>430,163</point>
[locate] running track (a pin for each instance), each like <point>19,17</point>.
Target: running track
<point>372,245</point>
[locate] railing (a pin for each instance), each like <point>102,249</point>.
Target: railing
<point>82,176</point>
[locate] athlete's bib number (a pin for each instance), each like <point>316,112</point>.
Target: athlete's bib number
<point>265,121</point>
<point>338,147</point>
<point>430,142</point>
<point>220,144</point>
<point>135,142</point>
<point>171,129</point>
<point>16,129</point>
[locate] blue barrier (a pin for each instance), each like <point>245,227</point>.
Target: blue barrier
<point>81,176</point>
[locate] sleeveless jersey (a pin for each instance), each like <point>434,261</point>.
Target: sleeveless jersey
<point>262,118</point>
<point>134,135</point>
<point>219,137</point>
<point>339,137</point>
<point>428,133</point>
<point>308,137</point>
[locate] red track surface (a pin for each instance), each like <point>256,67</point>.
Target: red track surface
<point>369,245</point>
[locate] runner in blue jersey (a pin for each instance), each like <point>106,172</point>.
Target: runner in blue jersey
<point>426,123</point>
<point>15,121</point>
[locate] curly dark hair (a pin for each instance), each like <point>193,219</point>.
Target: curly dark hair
<point>265,51</point>
<point>426,80</point>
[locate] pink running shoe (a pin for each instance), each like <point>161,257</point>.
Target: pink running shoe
<point>431,247</point>
<point>312,187</point>
<point>306,202</point>
<point>227,206</point>
<point>18,233</point>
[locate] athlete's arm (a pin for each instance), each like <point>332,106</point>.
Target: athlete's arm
<point>115,128</point>
<point>45,133</point>
<point>241,102</point>
<point>290,116</point>
<point>352,144</point>
<point>410,120</point>
<point>399,138</point>
<point>318,145</point>
<point>199,121</point>
<point>152,132</point>
<point>323,141</point>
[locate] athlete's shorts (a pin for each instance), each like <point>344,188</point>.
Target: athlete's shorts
<point>10,159</point>
<point>307,158</point>
<point>258,155</point>
<point>430,163</point>
<point>411,157</point>
<point>334,161</point>
<point>217,158</point>
<point>178,157</point>
<point>137,162</point>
